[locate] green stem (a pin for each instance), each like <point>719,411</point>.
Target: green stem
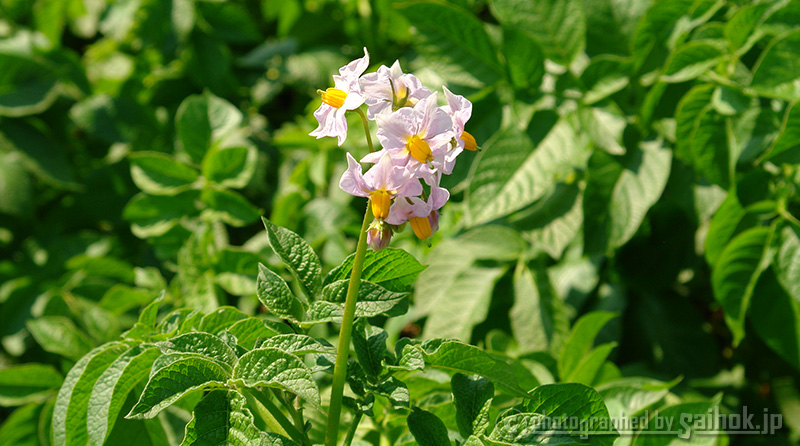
<point>366,129</point>
<point>343,349</point>
<point>278,422</point>
<point>353,427</point>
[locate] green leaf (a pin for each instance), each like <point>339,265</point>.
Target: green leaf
<point>159,174</point>
<point>572,401</point>
<point>736,274</point>
<point>691,60</point>
<point>274,368</point>
<point>21,426</point>
<point>586,371</point>
<point>558,25</point>
<point>463,304</point>
<point>30,93</point>
<point>202,121</point>
<point>230,206</point>
<point>511,174</point>
<point>391,268</point>
<point>27,383</point>
<point>605,127</point>
<point>692,419</point>
<point>610,25</point>
<point>427,428</point>
<point>774,315</point>
<point>538,317</point>
<point>723,227</point>
<point>777,71</point>
<point>221,319</point>
<point>69,413</point>
<point>395,391</point>
<point>369,343</point>
<point>740,28</point>
<point>153,215</point>
<point>458,36</point>
<point>298,256</point>
<point>787,261</point>
<point>581,339</point>
<point>202,344</point>
<point>373,300</point>
<point>275,294</point>
<point>789,137</point>
<point>691,106</point>
<point>112,388</point>
<point>468,359</point>
<point>59,335</point>
<point>473,400</point>
<point>297,344</point>
<point>248,331</point>
<point>630,396</point>
<point>524,59</point>
<point>604,76</point>
<point>614,211</point>
<point>230,167</point>
<point>170,383</point>
<point>16,192</point>
<point>222,417</point>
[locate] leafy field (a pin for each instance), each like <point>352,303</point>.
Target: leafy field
<point>176,252</point>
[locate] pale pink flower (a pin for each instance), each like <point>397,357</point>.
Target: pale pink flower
<point>382,182</point>
<point>390,89</point>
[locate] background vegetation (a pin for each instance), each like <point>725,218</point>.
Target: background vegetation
<point>639,158</point>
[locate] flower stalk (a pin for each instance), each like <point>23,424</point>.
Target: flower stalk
<point>345,335</point>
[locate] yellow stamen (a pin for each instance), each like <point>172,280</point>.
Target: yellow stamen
<point>469,141</point>
<point>380,201</point>
<point>421,227</point>
<point>333,97</point>
<point>419,149</point>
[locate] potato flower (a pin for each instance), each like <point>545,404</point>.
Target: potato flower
<point>382,183</point>
<point>336,101</point>
<point>389,89</point>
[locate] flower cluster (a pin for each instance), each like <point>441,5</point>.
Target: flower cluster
<point>419,139</point>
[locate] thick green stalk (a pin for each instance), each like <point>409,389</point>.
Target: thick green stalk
<point>343,349</point>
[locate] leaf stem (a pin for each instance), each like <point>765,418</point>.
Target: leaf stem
<point>353,427</point>
<point>366,128</point>
<point>278,422</point>
<point>343,348</point>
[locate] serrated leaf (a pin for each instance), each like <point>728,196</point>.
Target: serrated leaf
<point>581,339</point>
<point>230,167</point>
<point>275,294</point>
<point>369,343</point>
<point>274,368</point>
<point>538,317</point>
<point>201,344</point>
<point>297,344</point>
<point>171,382</point>
<point>298,256</point>
<point>459,37</point>
<point>69,413</point>
<point>468,359</point>
<point>27,383</point>
<point>427,428</point>
<point>511,173</point>
<point>59,335</point>
<point>736,274</point>
<point>112,388</point>
<point>159,174</point>
<point>558,25</point>
<point>391,268</point>
<point>473,400</point>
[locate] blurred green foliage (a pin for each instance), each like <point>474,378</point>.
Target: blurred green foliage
<point>640,158</point>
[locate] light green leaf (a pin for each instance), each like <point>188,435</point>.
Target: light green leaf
<point>202,344</point>
<point>581,339</point>
<point>789,136</point>
<point>395,391</point>
<point>463,304</point>
<point>202,121</point>
<point>153,215</point>
<point>231,167</point>
<point>586,371</point>
<point>473,400</point>
<point>231,207</point>
<point>159,174</point>
<point>605,127</point>
<point>777,72</point>
<point>538,317</point>
<point>739,30</point>
<point>787,261</point>
<point>736,274</point>
<point>297,344</point>
<point>27,383</point>
<point>69,413</point>
<point>511,174</point>
<point>458,37</point>
<point>604,76</point>
<point>630,396</point>
<point>690,108</point>
<point>274,368</point>
<point>369,343</point>
<point>298,256</point>
<point>112,388</point>
<point>691,60</point>
<point>248,331</point>
<point>236,270</point>
<point>59,335</point>
<point>221,319</point>
<point>464,358</point>
<point>427,428</point>
<point>558,25</point>
<point>723,226</point>
<point>391,268</point>
<point>170,383</point>
<point>275,294</point>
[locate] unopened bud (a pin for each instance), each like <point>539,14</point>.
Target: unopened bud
<point>378,235</point>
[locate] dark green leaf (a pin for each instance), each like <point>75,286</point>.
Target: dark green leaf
<point>159,174</point>
<point>427,428</point>
<point>230,167</point>
<point>232,207</point>
<point>298,256</point>
<point>581,339</point>
<point>274,368</point>
<point>370,346</point>
<point>275,294</point>
<point>472,399</point>
<point>391,268</point>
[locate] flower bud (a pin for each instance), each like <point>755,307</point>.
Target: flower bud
<point>378,235</point>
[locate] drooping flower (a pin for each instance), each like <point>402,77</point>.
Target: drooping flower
<point>460,110</point>
<point>336,101</point>
<point>382,183</point>
<point>389,89</point>
<point>422,215</point>
<point>417,137</point>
